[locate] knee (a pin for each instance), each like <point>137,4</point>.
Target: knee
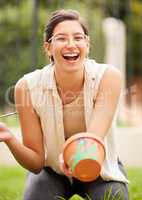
<point>35,183</point>
<point>109,190</point>
<point>117,191</point>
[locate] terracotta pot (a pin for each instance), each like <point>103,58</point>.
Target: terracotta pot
<point>83,155</point>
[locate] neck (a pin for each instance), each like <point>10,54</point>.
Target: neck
<point>70,81</point>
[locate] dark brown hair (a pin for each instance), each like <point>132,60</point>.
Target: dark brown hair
<point>60,16</point>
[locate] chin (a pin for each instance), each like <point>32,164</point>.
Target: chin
<point>73,66</point>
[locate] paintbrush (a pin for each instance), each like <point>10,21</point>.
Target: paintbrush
<point>8,114</point>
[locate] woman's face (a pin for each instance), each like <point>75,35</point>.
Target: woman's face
<point>68,46</point>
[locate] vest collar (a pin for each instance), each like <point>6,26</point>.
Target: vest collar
<point>90,74</point>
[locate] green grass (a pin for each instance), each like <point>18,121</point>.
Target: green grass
<point>135,185</point>
<point>11,121</point>
<point>12,183</point>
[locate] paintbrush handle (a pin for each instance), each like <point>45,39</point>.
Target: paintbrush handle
<point>8,114</point>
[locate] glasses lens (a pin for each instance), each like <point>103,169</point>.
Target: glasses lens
<point>80,38</point>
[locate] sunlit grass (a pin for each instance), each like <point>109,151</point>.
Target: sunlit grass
<point>12,181</point>
<point>135,185</point>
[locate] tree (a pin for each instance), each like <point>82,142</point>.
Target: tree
<point>35,4</point>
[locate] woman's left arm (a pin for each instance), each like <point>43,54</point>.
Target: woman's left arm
<point>106,102</point>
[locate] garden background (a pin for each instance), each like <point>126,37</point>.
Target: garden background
<point>22,24</point>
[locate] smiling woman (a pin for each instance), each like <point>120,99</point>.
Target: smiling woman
<point>68,46</point>
<point>72,94</point>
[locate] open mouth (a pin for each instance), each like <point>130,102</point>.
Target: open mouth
<point>71,56</point>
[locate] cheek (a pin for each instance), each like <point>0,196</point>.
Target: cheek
<point>55,51</point>
<point>84,48</point>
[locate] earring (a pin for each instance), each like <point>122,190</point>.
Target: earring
<point>49,55</point>
<point>50,59</point>
<point>87,54</point>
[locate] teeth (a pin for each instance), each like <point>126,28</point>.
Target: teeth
<point>71,54</point>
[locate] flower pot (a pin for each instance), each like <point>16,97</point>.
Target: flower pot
<point>83,155</point>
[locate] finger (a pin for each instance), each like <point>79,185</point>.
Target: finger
<point>3,136</point>
<point>61,160</point>
<point>3,126</point>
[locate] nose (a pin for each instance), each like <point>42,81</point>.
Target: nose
<point>71,42</point>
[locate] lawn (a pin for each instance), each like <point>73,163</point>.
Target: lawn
<point>12,183</point>
<point>135,185</point>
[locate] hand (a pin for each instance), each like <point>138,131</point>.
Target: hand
<point>66,170</point>
<point>5,133</point>
<point>61,162</point>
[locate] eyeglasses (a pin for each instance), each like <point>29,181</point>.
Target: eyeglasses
<point>64,39</point>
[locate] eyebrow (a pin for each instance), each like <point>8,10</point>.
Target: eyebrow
<point>77,33</point>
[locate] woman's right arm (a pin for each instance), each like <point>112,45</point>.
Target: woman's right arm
<point>30,154</point>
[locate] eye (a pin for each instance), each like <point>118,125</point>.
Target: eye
<point>79,38</point>
<point>60,39</point>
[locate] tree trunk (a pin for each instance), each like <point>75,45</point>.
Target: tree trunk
<point>34,33</point>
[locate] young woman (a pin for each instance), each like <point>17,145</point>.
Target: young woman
<point>70,95</point>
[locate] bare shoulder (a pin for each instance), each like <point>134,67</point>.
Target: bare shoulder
<point>112,74</point>
<point>21,84</point>
<point>112,77</point>
<point>111,80</point>
<point>21,92</point>
<point>21,88</point>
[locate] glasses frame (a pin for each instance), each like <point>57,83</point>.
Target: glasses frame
<point>86,37</point>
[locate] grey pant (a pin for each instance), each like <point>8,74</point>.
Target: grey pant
<point>48,185</point>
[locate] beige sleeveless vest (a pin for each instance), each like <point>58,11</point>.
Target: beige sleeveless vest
<point>48,105</point>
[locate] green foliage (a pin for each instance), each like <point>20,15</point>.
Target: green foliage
<point>15,40</point>
<point>133,21</point>
<point>74,197</point>
<point>16,18</point>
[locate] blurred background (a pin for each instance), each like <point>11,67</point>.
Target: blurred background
<point>116,38</point>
